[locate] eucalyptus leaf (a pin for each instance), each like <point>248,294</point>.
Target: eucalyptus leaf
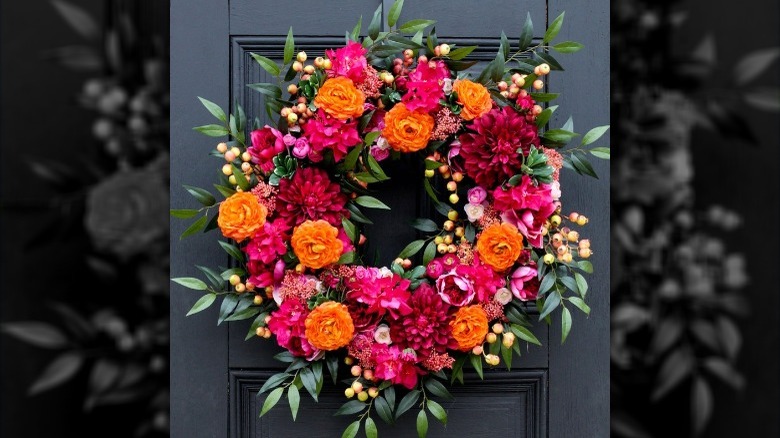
<point>202,304</point>
<point>271,400</point>
<point>554,28</point>
<point>214,109</point>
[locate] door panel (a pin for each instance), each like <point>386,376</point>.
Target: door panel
<point>553,391</point>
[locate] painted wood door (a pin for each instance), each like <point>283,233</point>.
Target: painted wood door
<point>557,391</point>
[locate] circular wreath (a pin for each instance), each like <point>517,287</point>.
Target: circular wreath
<point>294,195</point>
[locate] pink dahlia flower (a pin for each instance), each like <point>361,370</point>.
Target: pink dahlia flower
<point>349,61</point>
<point>310,195</point>
<point>381,291</point>
<point>490,153</point>
<point>288,325</point>
<point>526,206</point>
<point>266,144</point>
<point>324,132</point>
<point>426,328</point>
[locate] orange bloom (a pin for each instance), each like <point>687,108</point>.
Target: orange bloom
<point>407,131</point>
<point>474,97</point>
<point>499,246</point>
<point>329,326</point>
<point>316,244</point>
<point>340,98</point>
<point>241,216</point>
<point>469,327</point>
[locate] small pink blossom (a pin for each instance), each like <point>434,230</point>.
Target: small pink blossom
<point>476,195</point>
<point>474,212</point>
<point>524,283</point>
<point>301,149</point>
<point>289,140</point>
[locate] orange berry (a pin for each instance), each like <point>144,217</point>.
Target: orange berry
<point>356,370</point>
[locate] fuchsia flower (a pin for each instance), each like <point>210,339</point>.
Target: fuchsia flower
<point>288,325</point>
<point>486,281</point>
<point>264,275</point>
<point>325,132</point>
<point>526,206</point>
<point>381,290</point>
<point>395,365</point>
<point>490,153</point>
<point>269,243</point>
<point>476,195</point>
<point>301,149</point>
<point>425,86</point>
<point>524,283</point>
<point>310,195</point>
<point>266,144</point>
<point>426,328</point>
<point>455,288</point>
<point>349,61</point>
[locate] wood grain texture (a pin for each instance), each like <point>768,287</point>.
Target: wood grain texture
<point>579,369</point>
<point>199,67</point>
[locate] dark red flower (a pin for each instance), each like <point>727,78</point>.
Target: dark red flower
<point>426,328</point>
<point>310,195</point>
<point>266,144</point>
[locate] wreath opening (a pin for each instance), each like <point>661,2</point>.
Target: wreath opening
<point>498,253</point>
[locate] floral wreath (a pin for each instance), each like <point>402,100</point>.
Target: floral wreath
<point>292,207</point>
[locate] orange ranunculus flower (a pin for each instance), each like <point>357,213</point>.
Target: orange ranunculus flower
<point>316,244</point>
<point>407,131</point>
<point>340,98</point>
<point>499,246</point>
<point>474,97</point>
<point>329,326</point>
<point>241,216</point>
<point>469,327</point>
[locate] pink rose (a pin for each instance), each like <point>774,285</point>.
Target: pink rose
<point>455,289</point>
<point>476,195</point>
<point>289,140</point>
<point>301,149</point>
<point>434,269</point>
<point>524,283</point>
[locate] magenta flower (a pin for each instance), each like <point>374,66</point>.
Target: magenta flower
<point>522,283</point>
<point>526,206</point>
<point>425,86</point>
<point>288,325</point>
<point>301,149</point>
<point>476,195</point>
<point>349,61</point>
<point>455,288</point>
<point>269,243</point>
<point>381,290</point>
<point>310,195</point>
<point>394,365</point>
<point>324,132</point>
<point>426,328</point>
<point>266,144</point>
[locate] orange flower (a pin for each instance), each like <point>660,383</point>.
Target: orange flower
<point>241,216</point>
<point>316,244</point>
<point>469,327</point>
<point>329,326</point>
<point>407,131</point>
<point>340,98</point>
<point>474,97</point>
<point>499,246</point>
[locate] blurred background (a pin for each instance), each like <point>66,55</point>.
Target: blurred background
<point>83,194</point>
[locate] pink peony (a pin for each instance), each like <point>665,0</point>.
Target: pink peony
<point>395,365</point>
<point>455,288</point>
<point>382,291</point>
<point>266,144</point>
<point>490,153</point>
<point>522,283</point>
<point>269,243</point>
<point>425,86</point>
<point>264,275</point>
<point>526,206</point>
<point>486,281</point>
<point>476,195</point>
<point>288,325</point>
<point>349,61</point>
<point>435,268</point>
<point>310,195</point>
<point>325,132</point>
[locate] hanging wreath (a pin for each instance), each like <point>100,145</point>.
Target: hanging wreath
<point>293,204</point>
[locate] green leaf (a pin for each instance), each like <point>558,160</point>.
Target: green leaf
<point>438,411</point>
<point>376,23</point>
<point>581,163</point>
<point>332,362</point>
<point>565,324</point>
<point>350,229</point>
<point>547,283</point>
<point>232,251</point>
<point>243,314</point>
<point>569,283</point>
<point>212,130</point>
<point>422,424</point>
<point>503,47</point>
<point>525,334</point>
<point>191,283</point>
<point>347,258</point>
<point>755,63</point>
<point>351,430</point>
<point>225,191</point>
<point>57,372</point>
<point>594,134</point>
<point>476,362</point>
<point>582,284</point>
<point>411,249</point>
<point>271,400</point>
<point>267,64</point>
<point>407,402</point>
<point>506,354</point>
<point>351,159</point>
<point>214,109</point>
<point>357,215</point>
<point>425,225</point>
<point>527,34</point>
<point>371,202</point>
<point>195,227</point>
<point>356,30</point>
<point>395,12</point>
<point>459,65</point>
<point>371,431</point>
<point>461,52</point>
<point>184,213</point>
<point>389,395</point>
<point>267,89</point>
<point>701,405</point>
<point>201,195</point>
<point>559,135</point>
<point>580,304</point>
<point>213,276</point>
<point>568,47</point>
<point>309,381</point>
<point>383,409</point>
<point>544,97</point>
<point>294,398</point>
<point>437,389</point>
<point>202,304</point>
<point>543,57</point>
<point>553,29</point>
<point>586,266</point>
<point>229,304</point>
<point>241,180</point>
<point>260,320</point>
<point>544,117</point>
<point>415,25</point>
<point>351,407</point>
<point>429,253</point>
<point>551,302</point>
<point>600,152</point>
<point>285,357</point>
<point>289,47</point>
